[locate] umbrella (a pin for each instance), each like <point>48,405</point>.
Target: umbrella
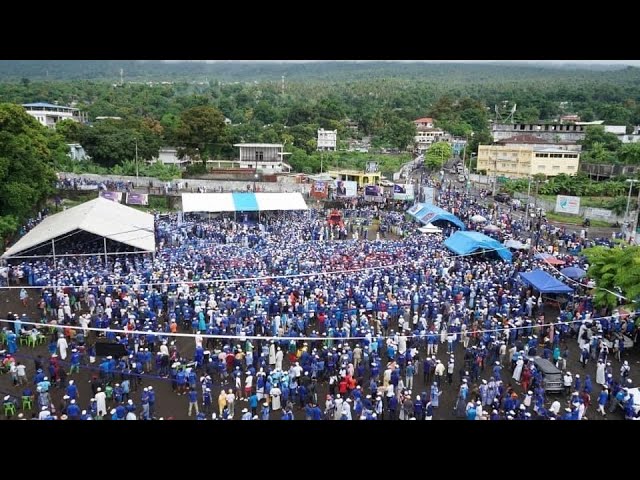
<point>550,259</point>
<point>492,228</point>
<point>516,245</point>
<point>430,229</point>
<point>573,272</point>
<point>478,219</point>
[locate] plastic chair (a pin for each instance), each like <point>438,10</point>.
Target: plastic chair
<point>41,339</point>
<point>31,341</point>
<point>26,403</point>
<point>24,340</point>
<point>9,409</point>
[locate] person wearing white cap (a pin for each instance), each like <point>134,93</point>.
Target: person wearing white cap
<point>101,400</point>
<point>517,372</point>
<point>625,369</point>
<point>62,347</point>
<point>246,414</point>
<point>600,373</point>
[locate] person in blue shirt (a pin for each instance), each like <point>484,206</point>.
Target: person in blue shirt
<point>602,401</point>
<point>193,401</point>
<point>287,414</point>
<point>264,412</point>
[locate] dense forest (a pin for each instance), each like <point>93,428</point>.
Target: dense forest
<point>205,108</point>
<point>158,100</point>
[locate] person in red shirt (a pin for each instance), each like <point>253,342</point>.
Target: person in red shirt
<point>342,387</point>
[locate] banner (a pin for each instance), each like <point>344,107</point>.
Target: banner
<point>566,204</point>
<point>137,199</point>
<point>346,188</point>
<point>374,193</point>
<point>372,190</point>
<point>114,196</point>
<point>429,195</point>
<point>319,190</point>
<point>403,192</point>
<point>87,187</point>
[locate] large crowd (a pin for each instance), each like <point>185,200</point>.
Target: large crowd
<point>365,325</point>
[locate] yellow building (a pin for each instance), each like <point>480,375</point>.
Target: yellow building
<point>521,161</point>
<point>362,178</point>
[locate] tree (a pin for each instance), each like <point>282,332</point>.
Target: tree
<point>28,153</point>
<point>596,134</point>
<point>112,142</point>
<point>69,130</point>
<point>437,155</point>
<point>616,272</point>
<point>399,133</point>
<point>630,153</point>
<point>201,132</point>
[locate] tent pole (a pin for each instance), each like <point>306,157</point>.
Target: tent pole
<point>53,247</point>
<point>105,251</point>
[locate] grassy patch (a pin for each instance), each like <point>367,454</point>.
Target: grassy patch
<point>593,202</point>
<point>575,220</point>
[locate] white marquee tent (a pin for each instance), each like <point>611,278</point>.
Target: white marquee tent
<point>101,217</point>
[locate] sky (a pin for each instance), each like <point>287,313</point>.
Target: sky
<point>635,63</point>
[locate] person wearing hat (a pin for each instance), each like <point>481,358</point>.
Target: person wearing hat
<point>246,414</point>
<point>264,411</point>
<point>603,397</point>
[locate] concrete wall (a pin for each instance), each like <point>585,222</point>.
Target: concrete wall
<point>191,185</point>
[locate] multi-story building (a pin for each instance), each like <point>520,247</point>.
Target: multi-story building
<point>559,132</point>
<point>327,140</point>
<point>523,160</point>
<point>425,137</point>
<point>263,157</point>
<point>48,114</point>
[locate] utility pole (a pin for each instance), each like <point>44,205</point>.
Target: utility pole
<point>495,173</point>
<point>137,173</point>
<point>526,210</point>
<point>631,181</point>
<point>635,219</point>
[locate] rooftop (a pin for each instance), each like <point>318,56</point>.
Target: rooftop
<point>424,120</point>
<point>258,145</point>
<point>46,105</point>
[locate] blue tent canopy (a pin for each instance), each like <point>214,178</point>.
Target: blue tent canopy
<point>544,283</point>
<point>245,202</point>
<point>426,214</point>
<point>464,243</point>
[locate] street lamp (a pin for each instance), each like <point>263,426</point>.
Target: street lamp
<point>631,181</point>
<point>255,179</point>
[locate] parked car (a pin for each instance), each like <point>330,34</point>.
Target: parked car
<point>551,375</point>
<point>502,197</point>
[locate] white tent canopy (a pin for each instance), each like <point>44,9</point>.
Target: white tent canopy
<point>208,202</point>
<point>281,201</point>
<point>101,217</point>
<point>242,202</point>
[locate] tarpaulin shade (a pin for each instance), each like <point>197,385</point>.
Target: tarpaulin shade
<point>544,283</point>
<point>464,243</point>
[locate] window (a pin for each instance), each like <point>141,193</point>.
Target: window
<point>556,167</point>
<point>259,156</point>
<point>541,167</point>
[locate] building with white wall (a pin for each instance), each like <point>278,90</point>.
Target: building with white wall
<point>263,157</point>
<point>169,156</point>
<point>327,140</point>
<point>48,114</point>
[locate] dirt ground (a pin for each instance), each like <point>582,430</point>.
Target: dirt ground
<point>169,404</point>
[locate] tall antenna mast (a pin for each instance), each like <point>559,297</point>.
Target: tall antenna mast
<point>282,85</point>
<point>121,77</point>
